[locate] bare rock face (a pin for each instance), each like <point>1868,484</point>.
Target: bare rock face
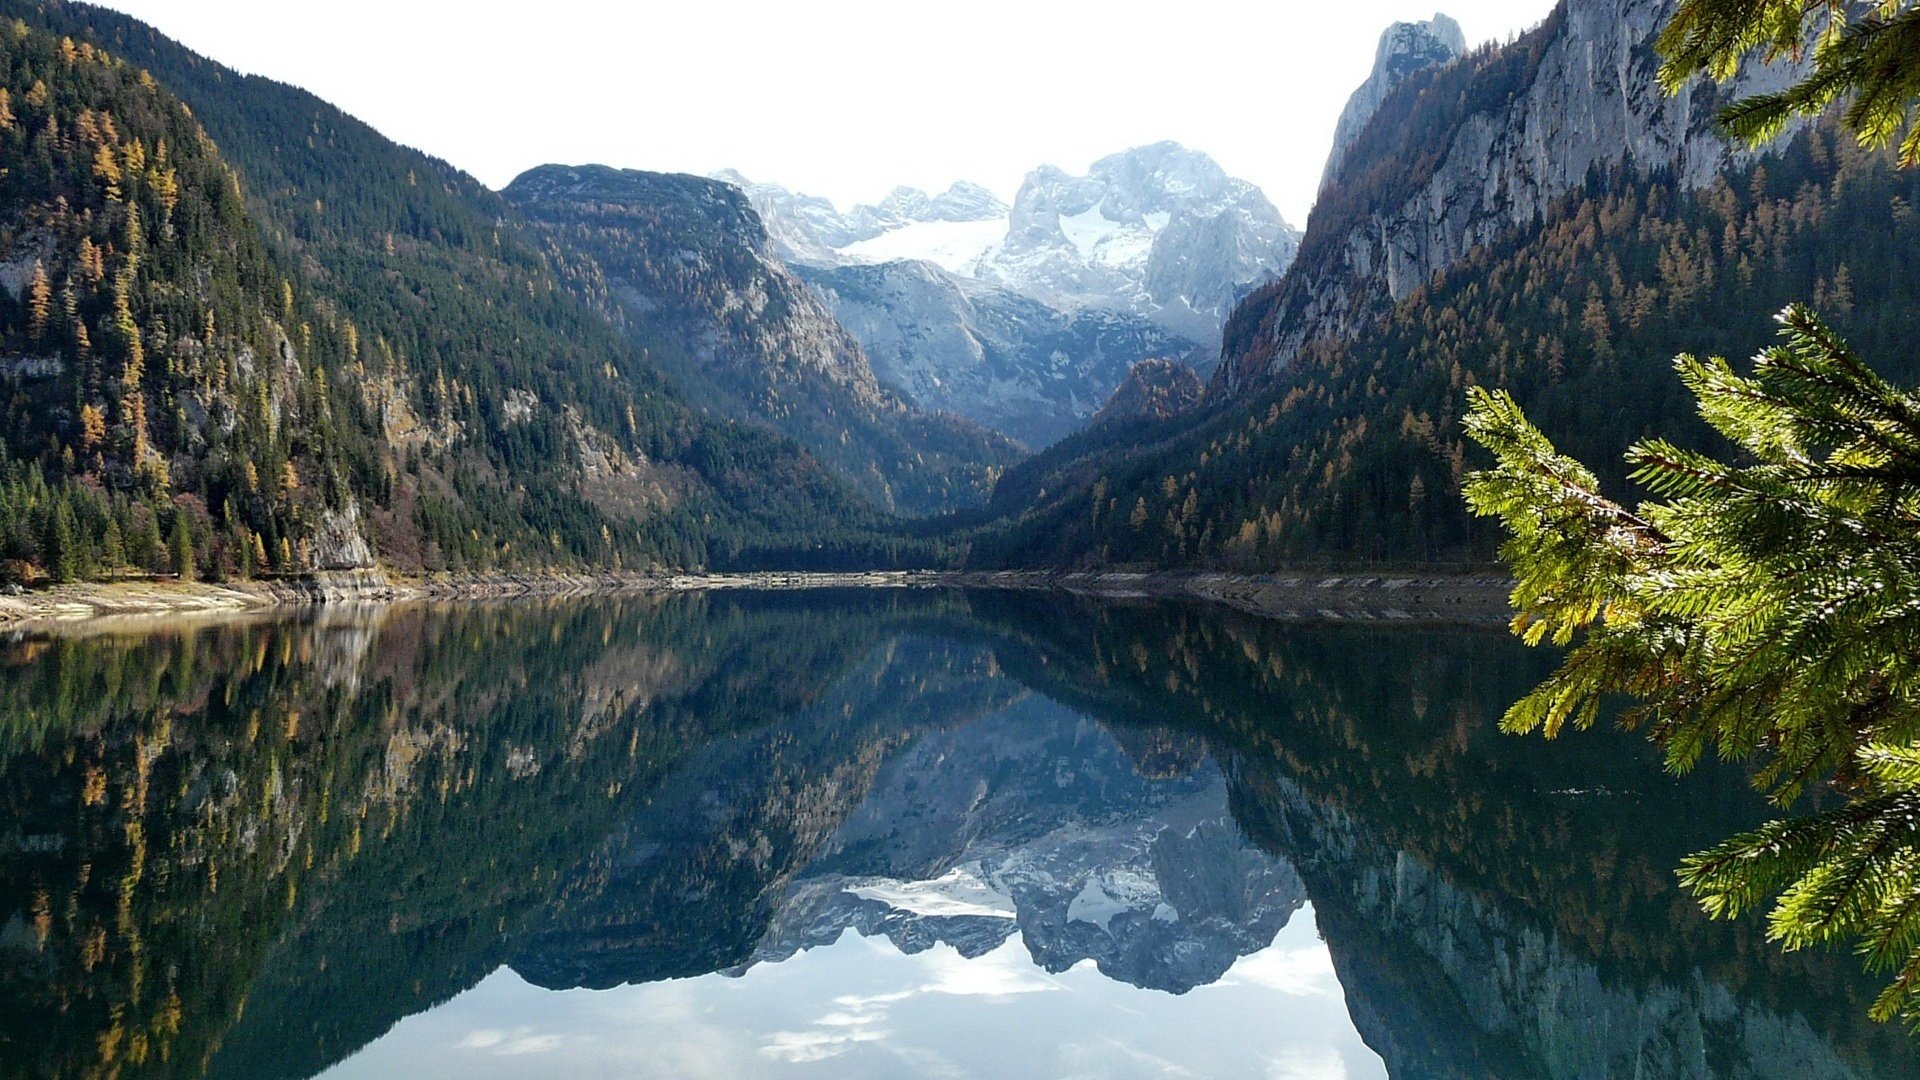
<point>686,260</point>
<point>1155,390</point>
<point>1471,150</point>
<point>340,542</point>
<point>1405,48</point>
<point>995,356</point>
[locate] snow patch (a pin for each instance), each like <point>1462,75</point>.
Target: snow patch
<point>953,246</point>
<point>959,892</point>
<point>1112,893</point>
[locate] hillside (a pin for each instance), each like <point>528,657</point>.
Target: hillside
<point>161,376</point>
<point>1331,434</point>
<point>683,266</point>
<point>508,424</point>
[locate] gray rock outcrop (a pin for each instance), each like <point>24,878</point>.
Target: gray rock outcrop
<point>1405,48</point>
<point>1515,132</point>
<point>992,355</point>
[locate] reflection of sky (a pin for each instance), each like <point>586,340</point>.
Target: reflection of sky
<point>859,1008</point>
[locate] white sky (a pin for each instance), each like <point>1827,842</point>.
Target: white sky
<point>843,98</point>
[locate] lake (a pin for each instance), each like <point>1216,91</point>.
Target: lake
<point>861,834</point>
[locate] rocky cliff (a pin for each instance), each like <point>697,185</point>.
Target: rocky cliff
<point>684,263</point>
<point>1462,153</point>
<point>1405,48</point>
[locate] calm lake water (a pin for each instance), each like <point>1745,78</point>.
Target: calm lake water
<point>869,834</point>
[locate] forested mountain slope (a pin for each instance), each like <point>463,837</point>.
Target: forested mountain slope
<point>158,372</point>
<point>1337,440</point>
<point>506,423</point>
<point>683,266</point>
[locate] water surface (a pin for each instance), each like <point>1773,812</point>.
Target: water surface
<point>860,834</point>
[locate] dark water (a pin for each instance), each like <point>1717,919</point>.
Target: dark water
<point>879,834</point>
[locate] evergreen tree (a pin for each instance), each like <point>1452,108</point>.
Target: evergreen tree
<point>149,549</point>
<point>1767,609</point>
<point>113,550</point>
<point>58,544</point>
<point>1867,55</point>
<point>180,547</point>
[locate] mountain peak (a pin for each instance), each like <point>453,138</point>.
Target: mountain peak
<point>1405,48</point>
<point>1161,230</point>
<point>1419,39</point>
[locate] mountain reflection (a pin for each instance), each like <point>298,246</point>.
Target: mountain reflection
<point>250,849</point>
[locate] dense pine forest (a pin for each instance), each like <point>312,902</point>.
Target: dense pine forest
<point>157,418</point>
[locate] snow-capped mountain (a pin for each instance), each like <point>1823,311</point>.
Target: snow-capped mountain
<point>1159,231</point>
<point>948,229</point>
<point>989,354</point>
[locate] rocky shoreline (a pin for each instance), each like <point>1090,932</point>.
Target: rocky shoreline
<point>1454,598</point>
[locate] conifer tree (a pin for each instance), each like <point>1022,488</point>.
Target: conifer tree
<point>149,550</point>
<point>59,544</point>
<point>1767,610</point>
<point>113,550</point>
<point>1867,55</point>
<point>180,548</point>
<point>39,302</point>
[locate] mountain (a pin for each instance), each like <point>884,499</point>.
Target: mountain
<point>808,229</point>
<point>992,355</point>
<point>161,371</point>
<point>1026,318</point>
<point>683,266</point>
<point>1159,231</point>
<point>1405,48</point>
<point>1475,150</point>
<point>462,409</point>
<point>1536,216</point>
<point>1155,390</point>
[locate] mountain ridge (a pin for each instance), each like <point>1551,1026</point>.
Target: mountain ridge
<point>685,268</point>
<point>511,425</point>
<point>1157,230</point>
